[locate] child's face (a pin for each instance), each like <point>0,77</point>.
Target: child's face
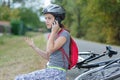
<point>49,19</point>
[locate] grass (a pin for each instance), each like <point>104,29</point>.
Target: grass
<point>16,57</point>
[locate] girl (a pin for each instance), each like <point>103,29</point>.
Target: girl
<point>59,37</point>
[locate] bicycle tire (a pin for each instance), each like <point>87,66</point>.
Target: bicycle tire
<point>111,72</point>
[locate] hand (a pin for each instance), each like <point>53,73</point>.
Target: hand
<point>55,27</point>
<point>29,41</point>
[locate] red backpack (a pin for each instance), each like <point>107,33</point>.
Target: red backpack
<point>73,57</point>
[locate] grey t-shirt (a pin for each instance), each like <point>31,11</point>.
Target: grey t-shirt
<point>56,58</point>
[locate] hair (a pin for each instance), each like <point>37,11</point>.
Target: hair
<point>64,27</point>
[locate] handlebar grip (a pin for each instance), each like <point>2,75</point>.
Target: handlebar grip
<point>110,51</point>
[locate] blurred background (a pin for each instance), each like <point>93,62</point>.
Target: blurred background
<point>93,20</point>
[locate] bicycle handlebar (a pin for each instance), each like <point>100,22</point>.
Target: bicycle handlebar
<point>108,52</point>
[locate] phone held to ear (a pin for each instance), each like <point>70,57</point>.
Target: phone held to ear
<point>59,20</point>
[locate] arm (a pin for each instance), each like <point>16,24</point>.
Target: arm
<point>55,45</point>
<point>42,53</point>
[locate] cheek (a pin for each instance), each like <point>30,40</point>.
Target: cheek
<point>49,24</point>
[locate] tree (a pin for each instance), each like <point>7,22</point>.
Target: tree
<point>111,8</point>
<point>4,13</point>
<point>97,20</point>
<point>29,17</point>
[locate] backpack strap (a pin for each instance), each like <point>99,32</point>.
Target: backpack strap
<point>64,54</point>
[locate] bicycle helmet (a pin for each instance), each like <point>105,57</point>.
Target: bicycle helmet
<point>57,11</point>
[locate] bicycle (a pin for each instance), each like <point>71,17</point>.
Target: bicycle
<point>106,70</point>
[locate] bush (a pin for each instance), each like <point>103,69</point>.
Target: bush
<point>18,27</point>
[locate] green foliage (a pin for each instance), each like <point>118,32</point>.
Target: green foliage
<point>4,13</point>
<point>29,17</point>
<point>14,14</point>
<point>97,20</point>
<point>111,8</point>
<point>18,27</point>
<point>7,14</point>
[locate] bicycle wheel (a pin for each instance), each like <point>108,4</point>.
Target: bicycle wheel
<point>111,72</point>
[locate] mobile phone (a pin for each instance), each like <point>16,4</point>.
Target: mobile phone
<point>59,20</point>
